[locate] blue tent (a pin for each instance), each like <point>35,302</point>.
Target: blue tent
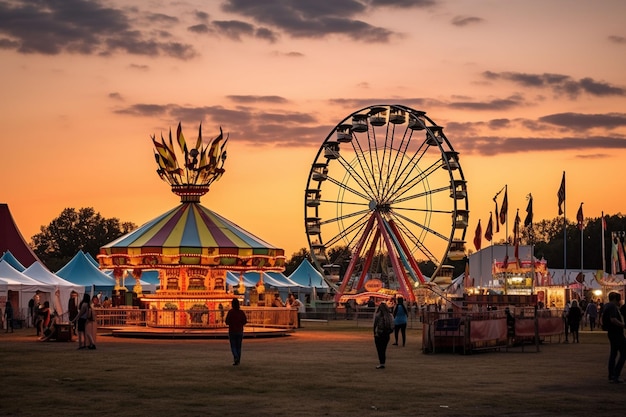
<point>81,271</point>
<point>306,275</point>
<point>12,260</point>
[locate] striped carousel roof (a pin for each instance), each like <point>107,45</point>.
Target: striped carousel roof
<point>193,230</point>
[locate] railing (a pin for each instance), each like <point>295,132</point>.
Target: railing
<point>286,318</point>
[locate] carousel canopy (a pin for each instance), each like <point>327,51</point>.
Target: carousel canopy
<point>191,234</point>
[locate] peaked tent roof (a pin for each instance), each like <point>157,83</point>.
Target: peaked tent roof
<point>79,270</point>
<point>40,273</point>
<point>8,256</point>
<point>18,280</point>
<point>307,276</point>
<point>12,240</point>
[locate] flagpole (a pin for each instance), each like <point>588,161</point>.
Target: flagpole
<point>564,238</point>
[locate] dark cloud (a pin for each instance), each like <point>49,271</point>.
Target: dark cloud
<point>319,19</point>
<point>560,84</point>
<point>83,27</point>
<point>493,145</point>
<point>491,105</point>
<point>292,54</point>
<point>116,96</point>
<point>199,28</point>
<point>246,124</point>
<point>236,29</point>
<point>617,39</point>
<point>258,99</point>
<point>578,121</point>
<point>466,20</point>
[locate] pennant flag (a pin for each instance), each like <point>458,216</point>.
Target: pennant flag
<point>477,236</point>
<point>528,221</point>
<point>504,208</point>
<point>561,194</point>
<point>489,231</point>
<point>516,236</point>
<point>614,255</point>
<point>620,253</point>
<point>579,217</point>
<point>181,139</point>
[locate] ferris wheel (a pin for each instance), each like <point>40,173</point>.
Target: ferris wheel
<point>385,191</point>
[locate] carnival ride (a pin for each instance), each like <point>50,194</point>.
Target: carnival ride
<point>385,190</point>
<point>191,246</point>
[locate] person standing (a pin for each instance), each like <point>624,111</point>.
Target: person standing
<point>235,320</point>
<point>573,318</point>
<point>592,314</point>
<point>293,302</point>
<point>72,309</point>
<point>400,315</point>
<point>81,319</point>
<point>383,326</point>
<point>613,323</point>
<point>8,316</point>
<point>565,322</point>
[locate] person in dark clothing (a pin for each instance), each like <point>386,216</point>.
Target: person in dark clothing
<point>72,309</point>
<point>8,316</point>
<point>613,323</point>
<point>383,326</point>
<point>236,320</point>
<point>400,315</point>
<point>574,317</point>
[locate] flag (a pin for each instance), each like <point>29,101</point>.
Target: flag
<point>477,236</point>
<point>516,234</point>
<point>561,194</point>
<point>579,217</point>
<point>489,231</point>
<point>614,255</point>
<point>497,216</point>
<point>528,221</point>
<point>603,222</point>
<point>504,208</point>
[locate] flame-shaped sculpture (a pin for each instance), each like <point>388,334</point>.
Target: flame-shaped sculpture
<point>203,164</point>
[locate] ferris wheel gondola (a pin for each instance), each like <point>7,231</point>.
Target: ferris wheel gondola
<point>385,191</point>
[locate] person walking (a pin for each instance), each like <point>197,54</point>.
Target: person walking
<point>235,320</point>
<point>400,315</point>
<point>383,326</point>
<point>8,316</point>
<point>574,317</point>
<point>565,322</point>
<point>592,314</point>
<point>613,323</point>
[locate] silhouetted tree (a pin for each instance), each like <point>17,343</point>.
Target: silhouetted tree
<point>73,230</point>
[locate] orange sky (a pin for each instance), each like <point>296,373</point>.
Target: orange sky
<point>525,91</point>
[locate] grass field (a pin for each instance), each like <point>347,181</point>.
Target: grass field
<point>320,370</point>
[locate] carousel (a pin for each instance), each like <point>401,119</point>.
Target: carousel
<point>190,246</point>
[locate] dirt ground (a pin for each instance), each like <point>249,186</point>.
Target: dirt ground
<point>320,370</point>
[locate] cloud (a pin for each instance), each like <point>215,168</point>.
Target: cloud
<point>236,29</point>
<point>617,39</point>
<point>258,99</point>
<point>462,21</point>
<point>83,27</point>
<point>578,121</point>
<point>244,124</point>
<point>558,83</point>
<point>494,145</point>
<point>319,19</point>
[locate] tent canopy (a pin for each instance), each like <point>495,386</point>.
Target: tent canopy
<point>40,273</point>
<point>81,271</point>
<point>12,260</point>
<point>12,240</point>
<point>306,275</point>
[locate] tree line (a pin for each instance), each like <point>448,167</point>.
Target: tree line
<point>87,230</point>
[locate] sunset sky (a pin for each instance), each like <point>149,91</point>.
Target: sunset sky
<point>525,91</point>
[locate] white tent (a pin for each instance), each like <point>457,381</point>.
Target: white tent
<point>20,288</point>
<point>60,301</point>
